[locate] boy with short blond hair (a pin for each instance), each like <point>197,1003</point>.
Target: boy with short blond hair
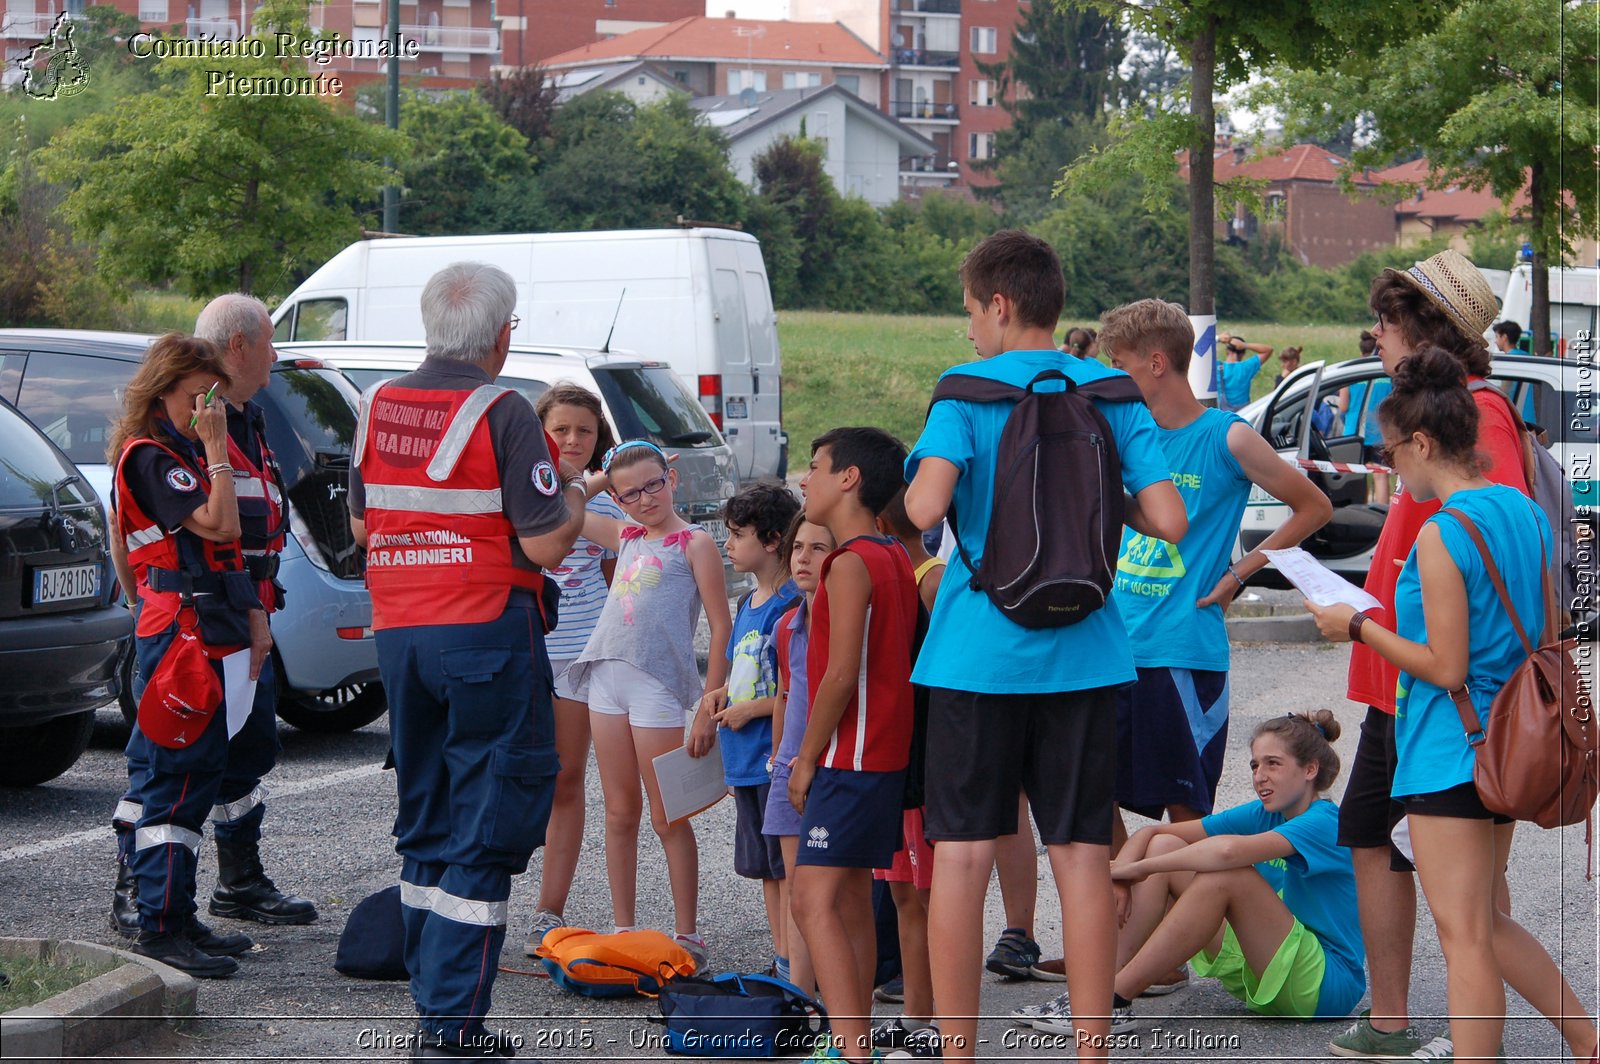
<point>849,777</point>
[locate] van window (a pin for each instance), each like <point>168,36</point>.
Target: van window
<point>650,402</point>
<point>320,319</point>
<point>73,399</point>
<point>29,468</point>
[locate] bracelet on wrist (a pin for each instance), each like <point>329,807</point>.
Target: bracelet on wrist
<point>1356,621</point>
<point>1235,574</point>
<point>218,467</point>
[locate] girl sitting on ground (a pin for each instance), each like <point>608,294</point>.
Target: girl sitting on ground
<point>1260,896</point>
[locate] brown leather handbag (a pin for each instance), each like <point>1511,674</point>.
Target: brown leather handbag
<point>1538,758</point>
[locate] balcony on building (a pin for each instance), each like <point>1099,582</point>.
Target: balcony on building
<point>471,40</point>
<point>921,57</point>
<point>211,29</point>
<point>930,166</point>
<point>20,26</point>
<point>925,111</point>
<point>927,7</point>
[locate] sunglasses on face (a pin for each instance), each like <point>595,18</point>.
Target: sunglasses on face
<point>649,487</point>
<point>1386,452</point>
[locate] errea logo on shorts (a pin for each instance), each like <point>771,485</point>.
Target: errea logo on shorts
<point>818,839</point>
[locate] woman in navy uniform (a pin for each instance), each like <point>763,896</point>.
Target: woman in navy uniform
<point>177,515</point>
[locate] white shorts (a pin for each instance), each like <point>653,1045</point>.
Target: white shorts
<point>563,686</point>
<point>619,689</point>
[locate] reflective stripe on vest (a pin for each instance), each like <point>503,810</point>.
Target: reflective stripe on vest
<point>363,413</point>
<point>144,537</point>
<point>460,431</point>
<point>433,500</point>
<point>147,838</point>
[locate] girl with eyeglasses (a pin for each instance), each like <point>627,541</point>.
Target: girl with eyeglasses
<point>638,672</point>
<point>1452,634</point>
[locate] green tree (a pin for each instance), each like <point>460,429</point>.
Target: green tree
<point>1499,94</point>
<point>525,100</point>
<point>1224,41</point>
<point>460,153</point>
<point>218,191</point>
<point>1056,84</point>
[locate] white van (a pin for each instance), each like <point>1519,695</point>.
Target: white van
<point>694,298</point>
<point>1574,293</point>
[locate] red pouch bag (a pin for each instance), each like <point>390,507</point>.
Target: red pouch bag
<point>182,695</point>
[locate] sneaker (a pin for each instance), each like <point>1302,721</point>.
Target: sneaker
<point>1026,1014</point>
<point>1053,971</point>
<point>1163,989</point>
<point>544,922</point>
<point>1361,1039</point>
<point>1442,1048</point>
<point>825,1050</point>
<point>1059,1018</point>
<point>891,993</point>
<point>1014,955</point>
<point>922,1044</point>
<point>893,1034</point>
<point>697,950</point>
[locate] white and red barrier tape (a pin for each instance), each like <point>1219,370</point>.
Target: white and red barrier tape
<point>1335,467</point>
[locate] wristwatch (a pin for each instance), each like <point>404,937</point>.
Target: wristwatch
<point>1356,621</point>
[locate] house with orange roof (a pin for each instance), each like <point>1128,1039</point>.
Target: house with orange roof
<point>1441,208</point>
<point>727,56</point>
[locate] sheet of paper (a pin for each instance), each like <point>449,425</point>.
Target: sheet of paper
<point>1317,582</point>
<point>238,689</point>
<point>690,785</point>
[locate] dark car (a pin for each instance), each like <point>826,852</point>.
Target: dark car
<point>62,631</point>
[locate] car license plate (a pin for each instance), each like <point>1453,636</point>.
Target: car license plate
<point>738,407</point>
<point>718,530</point>
<point>65,584</point>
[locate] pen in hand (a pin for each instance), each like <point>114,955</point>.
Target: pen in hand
<point>194,419</point>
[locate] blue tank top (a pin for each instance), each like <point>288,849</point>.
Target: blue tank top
<point>1158,582</point>
<point>1430,745</point>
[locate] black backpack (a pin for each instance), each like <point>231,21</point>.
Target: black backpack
<point>1055,528</point>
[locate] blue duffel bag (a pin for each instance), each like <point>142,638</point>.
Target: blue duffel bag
<point>731,1015</point>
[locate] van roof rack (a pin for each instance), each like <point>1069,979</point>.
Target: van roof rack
<point>690,223</point>
<point>379,234</point>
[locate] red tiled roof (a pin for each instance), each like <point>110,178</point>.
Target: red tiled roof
<point>731,39</point>
<point>1303,162</point>
<point>1451,202</point>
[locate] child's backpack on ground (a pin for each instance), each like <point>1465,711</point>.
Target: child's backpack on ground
<point>1055,530</point>
<point>729,1015</point>
<point>616,965</point>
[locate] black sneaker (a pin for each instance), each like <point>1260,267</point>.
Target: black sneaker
<point>485,1045</point>
<point>922,1044</point>
<point>1014,955</point>
<point>176,950</point>
<point>891,1034</point>
<point>891,993</point>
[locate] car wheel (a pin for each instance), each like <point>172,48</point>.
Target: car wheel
<point>342,709</point>
<point>34,753</point>
<point>125,702</point>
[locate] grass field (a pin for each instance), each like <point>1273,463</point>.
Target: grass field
<point>879,369</point>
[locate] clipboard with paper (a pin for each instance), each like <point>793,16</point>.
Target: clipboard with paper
<point>690,785</point>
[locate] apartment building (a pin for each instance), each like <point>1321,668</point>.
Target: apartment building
<point>535,30</point>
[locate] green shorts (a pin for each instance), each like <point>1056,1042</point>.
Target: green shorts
<point>1290,986</point>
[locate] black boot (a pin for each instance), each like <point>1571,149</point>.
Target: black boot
<point>218,944</point>
<point>485,1045</point>
<point>176,950</point>
<point>125,902</point>
<point>245,893</point>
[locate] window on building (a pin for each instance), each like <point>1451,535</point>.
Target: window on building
<point>983,40</point>
<point>980,145</point>
<point>739,80</point>
<point>152,10</point>
<point>681,77</point>
<point>980,92</point>
<point>801,79</point>
<point>850,83</point>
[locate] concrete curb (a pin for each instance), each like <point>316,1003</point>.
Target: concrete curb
<point>1297,627</point>
<point>135,996</point>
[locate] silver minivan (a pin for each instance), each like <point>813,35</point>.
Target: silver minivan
<point>643,399</point>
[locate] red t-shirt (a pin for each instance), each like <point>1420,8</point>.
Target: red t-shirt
<point>1372,679</point>
<point>874,733</point>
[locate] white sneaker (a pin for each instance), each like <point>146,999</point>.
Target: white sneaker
<point>1059,1019</point>
<point>1026,1014</point>
<point>1439,1049</point>
<point>544,921</point>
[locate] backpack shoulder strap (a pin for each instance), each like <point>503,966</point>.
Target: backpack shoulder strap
<point>974,389</point>
<point>1118,389</point>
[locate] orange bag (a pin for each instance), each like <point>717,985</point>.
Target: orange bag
<point>620,964</point>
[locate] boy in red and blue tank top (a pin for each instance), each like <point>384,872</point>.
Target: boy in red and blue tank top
<point>849,777</point>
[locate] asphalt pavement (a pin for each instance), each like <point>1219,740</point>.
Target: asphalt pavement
<point>328,837</point>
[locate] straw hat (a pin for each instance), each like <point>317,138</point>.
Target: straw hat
<point>1454,285</point>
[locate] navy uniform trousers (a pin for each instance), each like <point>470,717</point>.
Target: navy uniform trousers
<point>237,803</point>
<point>472,721</point>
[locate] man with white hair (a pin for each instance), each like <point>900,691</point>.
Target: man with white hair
<point>240,328</point>
<point>455,494</point>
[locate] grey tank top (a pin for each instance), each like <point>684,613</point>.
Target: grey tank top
<point>649,616</point>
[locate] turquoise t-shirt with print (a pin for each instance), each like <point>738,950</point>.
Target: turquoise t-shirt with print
<point>1158,582</point>
<point>1234,381</point>
<point>1318,886</point>
<point>1431,751</point>
<point>970,645</point>
<point>753,674</point>
<point>1371,433</point>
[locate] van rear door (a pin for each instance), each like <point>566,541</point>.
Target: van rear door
<point>732,360</point>
<point>771,447</point>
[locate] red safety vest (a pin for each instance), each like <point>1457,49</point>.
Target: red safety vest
<point>438,542</point>
<point>251,481</point>
<point>150,545</point>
